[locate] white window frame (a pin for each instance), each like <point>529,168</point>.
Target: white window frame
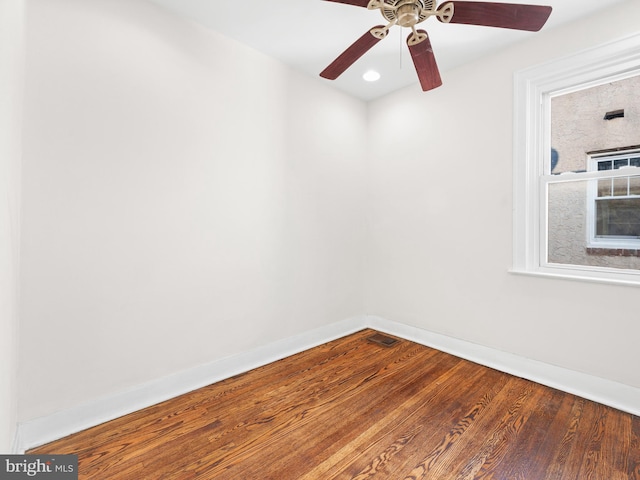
<point>533,90</point>
<point>608,242</point>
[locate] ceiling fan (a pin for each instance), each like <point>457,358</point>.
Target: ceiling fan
<point>409,13</point>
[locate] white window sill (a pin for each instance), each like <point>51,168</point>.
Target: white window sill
<point>629,280</point>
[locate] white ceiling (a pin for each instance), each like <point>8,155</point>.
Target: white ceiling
<point>309,34</point>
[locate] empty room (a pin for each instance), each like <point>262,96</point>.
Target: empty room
<point>216,262</point>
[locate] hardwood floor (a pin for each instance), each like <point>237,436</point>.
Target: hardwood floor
<point>352,409</point>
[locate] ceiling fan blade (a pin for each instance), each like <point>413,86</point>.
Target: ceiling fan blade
<point>351,54</point>
<point>424,60</point>
<point>357,3</point>
<point>503,15</point>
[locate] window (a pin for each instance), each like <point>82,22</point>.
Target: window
<point>614,215</point>
<point>577,166</point>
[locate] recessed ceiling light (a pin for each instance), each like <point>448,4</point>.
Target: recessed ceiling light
<point>371,76</point>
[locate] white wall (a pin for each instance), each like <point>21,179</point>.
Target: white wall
<point>185,199</point>
<point>441,219</point>
<point>11,78</point>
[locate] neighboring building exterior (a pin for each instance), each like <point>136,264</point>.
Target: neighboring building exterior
<point>596,222</point>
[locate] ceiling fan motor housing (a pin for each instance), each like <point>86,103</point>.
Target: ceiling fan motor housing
<point>407,13</point>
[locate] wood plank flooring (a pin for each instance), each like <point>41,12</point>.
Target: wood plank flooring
<point>352,409</point>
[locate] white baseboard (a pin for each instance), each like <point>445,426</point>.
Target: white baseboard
<point>60,424</point>
<point>43,430</point>
<point>617,395</point>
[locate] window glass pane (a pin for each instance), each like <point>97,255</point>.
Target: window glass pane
<point>623,162</point>
<point>604,165</point>
<point>618,218</point>
<point>634,186</point>
<point>579,129</point>
<point>604,187</point>
<point>635,162</point>
<point>567,222</point>
<point>620,187</point>
<point>583,230</point>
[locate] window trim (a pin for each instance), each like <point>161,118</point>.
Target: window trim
<point>533,89</point>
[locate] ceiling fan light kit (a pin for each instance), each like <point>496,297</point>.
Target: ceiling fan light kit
<point>409,13</point>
